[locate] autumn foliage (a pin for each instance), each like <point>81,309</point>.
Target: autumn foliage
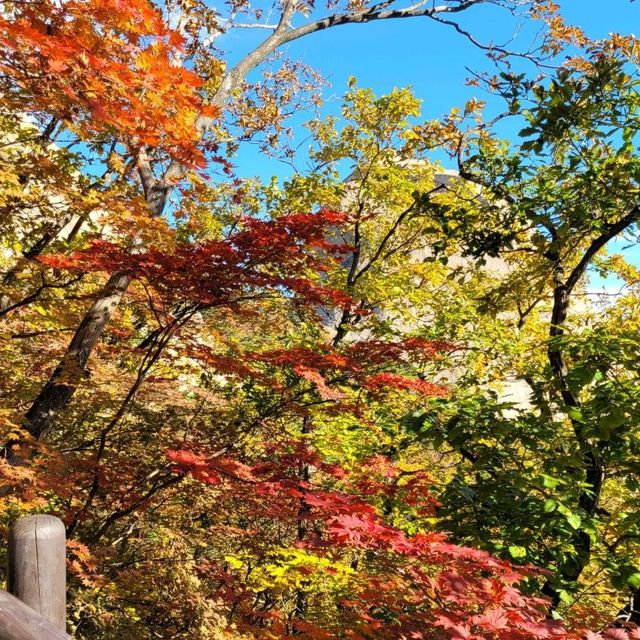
<point>386,583</point>
<point>104,67</point>
<point>241,387</point>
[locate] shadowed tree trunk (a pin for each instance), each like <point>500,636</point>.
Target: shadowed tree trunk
<point>594,471</point>
<point>66,377</point>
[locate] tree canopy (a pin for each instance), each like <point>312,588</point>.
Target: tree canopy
<point>374,403</point>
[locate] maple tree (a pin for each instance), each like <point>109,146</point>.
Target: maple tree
<point>244,455</point>
<point>167,131</point>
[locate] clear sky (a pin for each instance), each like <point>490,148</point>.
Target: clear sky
<point>431,58</point>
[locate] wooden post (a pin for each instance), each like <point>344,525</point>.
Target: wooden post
<point>37,567</point>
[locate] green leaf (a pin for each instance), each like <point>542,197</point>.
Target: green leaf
<point>549,481</point>
<point>608,423</point>
<point>527,131</point>
<point>575,414</point>
<point>517,552</point>
<point>574,520</point>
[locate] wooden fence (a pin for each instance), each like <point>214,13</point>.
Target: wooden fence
<point>34,607</point>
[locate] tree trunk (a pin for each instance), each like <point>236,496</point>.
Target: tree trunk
<point>72,368</point>
<point>66,377</point>
<point>589,497</point>
<point>631,612</point>
<point>304,474</point>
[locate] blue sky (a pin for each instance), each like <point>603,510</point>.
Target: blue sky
<point>429,57</point>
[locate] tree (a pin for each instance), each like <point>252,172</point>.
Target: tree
<point>159,143</point>
<point>208,455</point>
<point>553,201</point>
<point>233,463</point>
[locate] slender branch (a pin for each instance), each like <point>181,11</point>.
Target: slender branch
<point>241,25</point>
<point>150,358</point>
<point>611,232</point>
<point>281,35</point>
<point>391,232</point>
<point>36,294</point>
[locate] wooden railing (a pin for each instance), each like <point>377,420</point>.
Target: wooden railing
<point>34,607</point>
